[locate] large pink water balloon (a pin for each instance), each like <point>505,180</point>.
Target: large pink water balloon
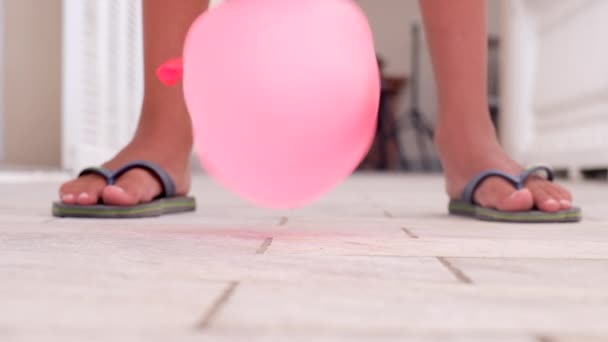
<point>283,96</point>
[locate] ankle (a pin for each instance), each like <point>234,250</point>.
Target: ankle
<point>471,132</point>
<point>165,125</point>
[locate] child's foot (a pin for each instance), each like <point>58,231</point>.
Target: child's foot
<point>168,145</point>
<point>467,151</point>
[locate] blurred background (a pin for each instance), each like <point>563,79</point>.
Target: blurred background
<point>70,75</point>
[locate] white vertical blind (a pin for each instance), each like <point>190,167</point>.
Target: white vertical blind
<point>103,78</point>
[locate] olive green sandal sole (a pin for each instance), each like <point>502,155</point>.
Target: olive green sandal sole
<point>533,216</point>
<point>159,207</point>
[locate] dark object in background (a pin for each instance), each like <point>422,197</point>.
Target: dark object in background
<point>385,152</point>
<point>493,80</point>
<point>414,119</point>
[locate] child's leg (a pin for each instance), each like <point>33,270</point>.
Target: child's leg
<point>164,134</point>
<point>465,136</point>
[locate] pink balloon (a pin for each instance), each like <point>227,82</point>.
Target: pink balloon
<point>283,96</point>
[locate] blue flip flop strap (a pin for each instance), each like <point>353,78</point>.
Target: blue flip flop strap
<point>468,194</point>
<point>163,176</point>
<point>523,177</point>
<point>100,171</point>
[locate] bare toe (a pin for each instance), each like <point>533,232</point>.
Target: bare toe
<point>85,190</point>
<point>134,187</point>
<point>499,194</point>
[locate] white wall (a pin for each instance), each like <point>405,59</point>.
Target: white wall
<point>391,21</point>
<point>2,66</point>
<point>555,84</point>
<point>32,92</point>
<point>213,3</point>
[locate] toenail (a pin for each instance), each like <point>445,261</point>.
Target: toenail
<point>565,203</point>
<point>551,201</point>
<point>516,193</point>
<point>66,198</point>
<point>83,195</point>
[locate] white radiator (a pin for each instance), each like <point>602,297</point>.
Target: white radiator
<point>555,82</point>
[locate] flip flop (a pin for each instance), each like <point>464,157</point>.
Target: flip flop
<point>467,206</point>
<point>166,203</point>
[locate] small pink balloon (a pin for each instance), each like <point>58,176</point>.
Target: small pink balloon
<point>283,96</point>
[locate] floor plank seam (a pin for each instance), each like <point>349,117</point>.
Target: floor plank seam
<point>217,306</point>
<point>458,273</point>
<point>409,233</point>
<point>283,221</point>
<point>544,338</point>
<point>264,246</point>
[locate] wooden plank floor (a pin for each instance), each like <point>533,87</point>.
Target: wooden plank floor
<point>376,260</point>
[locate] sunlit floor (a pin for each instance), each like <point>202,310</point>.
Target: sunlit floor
<point>376,260</point>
